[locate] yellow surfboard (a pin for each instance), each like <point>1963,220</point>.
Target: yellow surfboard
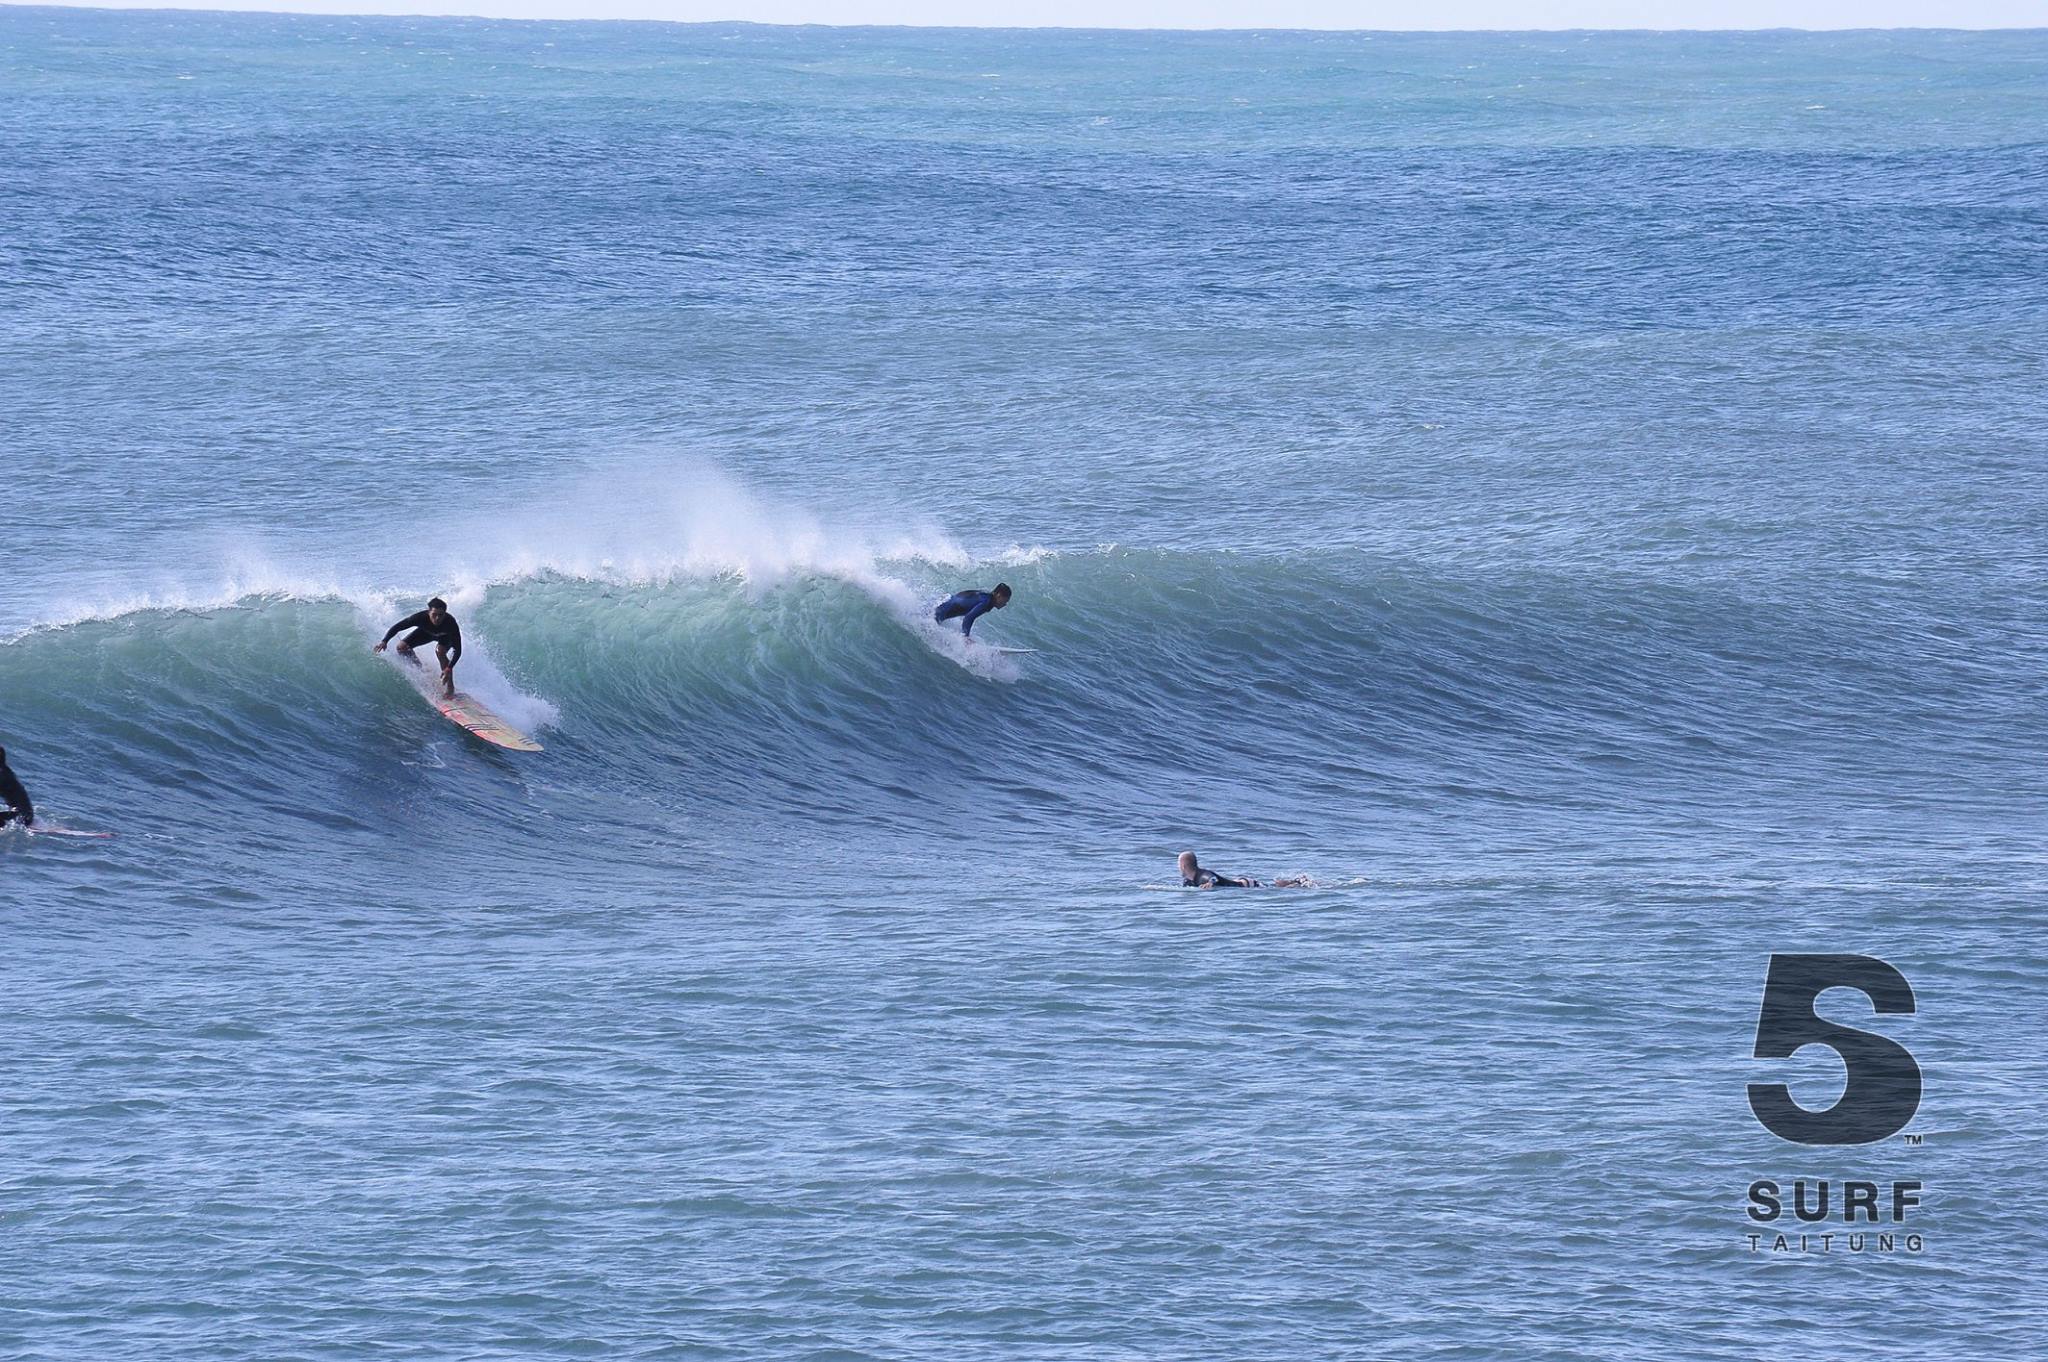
<point>464,710</point>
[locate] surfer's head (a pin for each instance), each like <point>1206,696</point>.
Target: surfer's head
<point>436,608</point>
<point>1188,865</point>
<point>1001,595</point>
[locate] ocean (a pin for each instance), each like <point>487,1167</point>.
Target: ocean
<point>1579,498</point>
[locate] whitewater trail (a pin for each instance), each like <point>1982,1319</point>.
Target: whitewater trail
<point>630,532</point>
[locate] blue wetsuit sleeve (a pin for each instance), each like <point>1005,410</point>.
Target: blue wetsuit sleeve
<point>981,607</point>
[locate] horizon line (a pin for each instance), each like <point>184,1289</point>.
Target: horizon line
<point>201,7</point>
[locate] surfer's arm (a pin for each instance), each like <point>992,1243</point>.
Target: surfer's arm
<point>967,620</point>
<point>454,649</point>
<point>409,622</point>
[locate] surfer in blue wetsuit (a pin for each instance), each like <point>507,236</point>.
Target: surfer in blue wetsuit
<point>969,606</point>
<point>14,797</point>
<point>432,625</point>
<point>1193,876</point>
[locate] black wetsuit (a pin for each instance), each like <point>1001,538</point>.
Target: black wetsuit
<point>448,633</point>
<point>15,798</point>
<point>1209,879</point>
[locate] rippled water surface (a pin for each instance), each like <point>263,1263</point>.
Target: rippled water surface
<point>1577,498</point>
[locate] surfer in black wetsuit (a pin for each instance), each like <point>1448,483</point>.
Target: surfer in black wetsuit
<point>969,606</point>
<point>14,797</point>
<point>1193,876</point>
<point>432,625</point>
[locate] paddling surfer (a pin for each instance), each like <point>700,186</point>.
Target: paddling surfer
<point>432,625</point>
<point>1193,876</point>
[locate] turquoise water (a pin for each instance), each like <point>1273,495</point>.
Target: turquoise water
<point>1578,498</point>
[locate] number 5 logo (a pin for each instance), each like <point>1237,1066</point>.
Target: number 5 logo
<point>1883,1090</point>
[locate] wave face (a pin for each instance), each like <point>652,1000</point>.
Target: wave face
<point>1170,690</point>
<point>1577,497</point>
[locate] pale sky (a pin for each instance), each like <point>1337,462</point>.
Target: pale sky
<point>1330,14</point>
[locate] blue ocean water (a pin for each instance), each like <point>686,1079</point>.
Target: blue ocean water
<point>1577,497</point>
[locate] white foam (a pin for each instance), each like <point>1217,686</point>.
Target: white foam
<point>653,524</point>
<point>646,526</point>
<point>683,521</point>
<point>234,586</point>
